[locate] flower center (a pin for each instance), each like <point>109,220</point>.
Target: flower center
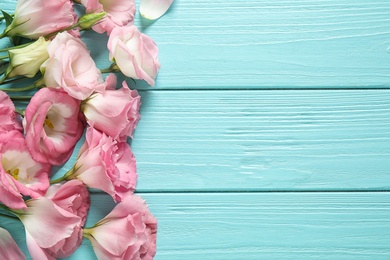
<point>48,123</point>
<point>14,173</point>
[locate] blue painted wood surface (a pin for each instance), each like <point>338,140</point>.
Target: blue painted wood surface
<point>267,133</point>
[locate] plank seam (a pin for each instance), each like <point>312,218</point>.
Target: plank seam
<point>264,89</point>
<point>260,191</point>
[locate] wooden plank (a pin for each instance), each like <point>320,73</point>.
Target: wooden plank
<point>279,225</point>
<point>266,44</point>
<point>263,140</point>
<point>262,225</point>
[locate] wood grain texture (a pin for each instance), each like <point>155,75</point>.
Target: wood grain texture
<point>267,44</point>
<point>262,225</point>
<point>210,136</point>
<point>274,44</point>
<point>263,140</point>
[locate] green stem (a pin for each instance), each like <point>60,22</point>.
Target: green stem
<point>4,81</point>
<point>67,176</point>
<point>61,179</point>
<point>15,47</point>
<point>4,57</point>
<point>20,98</point>
<point>87,233</point>
<point>66,29</point>
<point>106,70</point>
<point>113,68</point>
<point>4,34</point>
<point>18,89</point>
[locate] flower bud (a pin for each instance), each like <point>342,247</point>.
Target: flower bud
<point>88,20</point>
<point>26,61</point>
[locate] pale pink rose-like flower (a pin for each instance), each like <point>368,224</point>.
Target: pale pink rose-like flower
<point>119,13</point>
<point>53,126</point>
<point>135,53</point>
<point>105,164</point>
<point>114,112</point>
<point>33,19</point>
<point>19,173</point>
<point>154,9</point>
<point>9,120</point>
<point>128,232</point>
<point>71,67</point>
<point>8,247</point>
<point>72,196</point>
<point>54,223</point>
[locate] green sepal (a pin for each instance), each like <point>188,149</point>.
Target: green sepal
<point>7,17</point>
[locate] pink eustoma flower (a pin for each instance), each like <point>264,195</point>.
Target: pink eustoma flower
<point>72,196</point>
<point>33,19</point>
<point>154,9</point>
<point>128,232</point>
<point>53,125</point>
<point>105,164</point>
<point>71,67</point>
<point>9,120</point>
<point>53,223</point>
<point>135,53</point>
<point>19,173</point>
<point>114,112</point>
<point>8,247</point>
<point>119,13</point>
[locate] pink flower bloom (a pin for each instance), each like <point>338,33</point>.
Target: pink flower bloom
<point>8,247</point>
<point>40,18</point>
<point>19,173</point>
<point>135,53</point>
<point>114,112</point>
<point>71,67</point>
<point>9,120</point>
<point>127,232</point>
<point>104,164</point>
<point>72,196</point>
<point>119,13</point>
<point>50,229</point>
<point>54,223</point>
<point>154,9</point>
<point>52,125</point>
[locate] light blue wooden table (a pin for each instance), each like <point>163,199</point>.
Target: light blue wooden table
<point>267,135</point>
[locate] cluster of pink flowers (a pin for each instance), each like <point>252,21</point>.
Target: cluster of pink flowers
<point>73,99</point>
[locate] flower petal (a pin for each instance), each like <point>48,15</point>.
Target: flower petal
<point>154,9</point>
<point>47,223</point>
<point>8,247</point>
<point>116,235</point>
<point>35,250</point>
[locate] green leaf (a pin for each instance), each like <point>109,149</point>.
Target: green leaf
<point>7,17</point>
<point>3,66</point>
